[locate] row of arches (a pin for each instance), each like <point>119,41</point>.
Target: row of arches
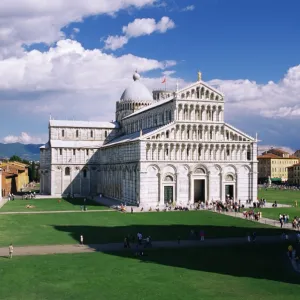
<point>149,121</point>
<point>199,132</point>
<point>200,112</point>
<point>200,93</point>
<point>194,152</point>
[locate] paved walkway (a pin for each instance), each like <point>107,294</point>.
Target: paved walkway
<point>266,221</point>
<point>58,249</point>
<point>53,211</point>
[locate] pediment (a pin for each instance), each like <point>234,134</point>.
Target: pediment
<point>200,90</point>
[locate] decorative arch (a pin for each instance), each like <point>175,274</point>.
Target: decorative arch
<point>67,171</point>
<point>230,177</point>
<point>200,169</point>
<point>169,178</point>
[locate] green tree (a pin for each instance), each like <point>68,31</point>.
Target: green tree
<point>33,171</point>
<point>16,158</point>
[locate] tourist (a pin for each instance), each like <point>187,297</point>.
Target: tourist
<point>10,250</point>
<point>81,239</point>
<point>178,240</point>
<point>253,236</point>
<point>248,237</point>
<point>202,235</point>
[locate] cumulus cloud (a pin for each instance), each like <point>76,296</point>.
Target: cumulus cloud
<point>24,22</point>
<point>137,28</point>
<point>271,100</point>
<point>189,8</point>
<point>69,82</point>
<point>23,138</point>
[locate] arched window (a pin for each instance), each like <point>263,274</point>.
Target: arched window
<point>167,134</point>
<point>67,171</point>
<point>229,177</point>
<point>92,134</point>
<point>62,133</point>
<point>77,133</point>
<point>105,134</point>
<point>84,173</point>
<point>168,178</point>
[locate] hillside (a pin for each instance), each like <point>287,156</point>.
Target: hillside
<point>29,152</point>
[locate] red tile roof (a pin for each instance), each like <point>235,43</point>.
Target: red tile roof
<point>273,156</point>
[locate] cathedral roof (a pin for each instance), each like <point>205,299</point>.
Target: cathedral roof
<point>82,124</point>
<point>137,91</point>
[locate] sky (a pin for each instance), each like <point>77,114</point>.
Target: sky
<point>72,59</point>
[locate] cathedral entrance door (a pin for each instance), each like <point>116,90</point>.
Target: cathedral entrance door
<point>168,194</point>
<point>199,190</point>
<point>229,190</point>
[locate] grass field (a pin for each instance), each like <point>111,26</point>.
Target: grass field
<point>273,213</point>
<point>248,272</point>
<point>281,196</point>
<point>104,227</point>
<point>50,205</point>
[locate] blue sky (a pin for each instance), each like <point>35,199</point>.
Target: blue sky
<point>56,59</point>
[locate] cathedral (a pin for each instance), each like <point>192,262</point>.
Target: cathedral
<point>163,146</point>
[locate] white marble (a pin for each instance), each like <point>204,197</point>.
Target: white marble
<point>178,148</point>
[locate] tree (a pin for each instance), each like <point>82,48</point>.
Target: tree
<point>16,158</point>
<point>33,171</point>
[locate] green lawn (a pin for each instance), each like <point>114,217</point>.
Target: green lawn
<point>50,205</point>
<point>281,196</point>
<point>104,227</point>
<point>248,272</point>
<point>273,213</point>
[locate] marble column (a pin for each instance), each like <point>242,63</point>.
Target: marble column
<point>191,188</point>
<point>221,186</point>
<point>208,187</point>
<point>177,188</point>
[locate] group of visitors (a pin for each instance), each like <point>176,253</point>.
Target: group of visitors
<point>296,223</point>
<point>29,195</point>
<point>11,196</point>
<point>141,244</point>
<point>283,219</point>
<point>252,215</point>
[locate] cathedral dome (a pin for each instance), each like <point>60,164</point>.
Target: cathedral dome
<point>136,91</point>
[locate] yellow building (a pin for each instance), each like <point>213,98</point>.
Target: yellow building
<point>20,172</point>
<point>294,174</point>
<point>275,166</point>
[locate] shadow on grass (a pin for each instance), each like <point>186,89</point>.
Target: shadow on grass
<point>80,202</point>
<point>261,261</point>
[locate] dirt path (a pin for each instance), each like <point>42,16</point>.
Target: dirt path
<point>266,221</point>
<point>56,249</point>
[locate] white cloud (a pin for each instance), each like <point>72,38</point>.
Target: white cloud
<point>270,100</point>
<point>189,8</point>
<point>115,42</point>
<point>76,30</point>
<point>34,21</point>
<point>139,27</point>
<point>169,72</point>
<point>69,82</point>
<point>23,138</point>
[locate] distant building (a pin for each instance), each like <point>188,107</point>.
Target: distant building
<point>275,163</point>
<point>14,177</point>
<point>294,174</point>
<point>297,153</point>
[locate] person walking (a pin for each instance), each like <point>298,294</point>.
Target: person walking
<point>10,250</point>
<point>202,235</point>
<point>81,240</point>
